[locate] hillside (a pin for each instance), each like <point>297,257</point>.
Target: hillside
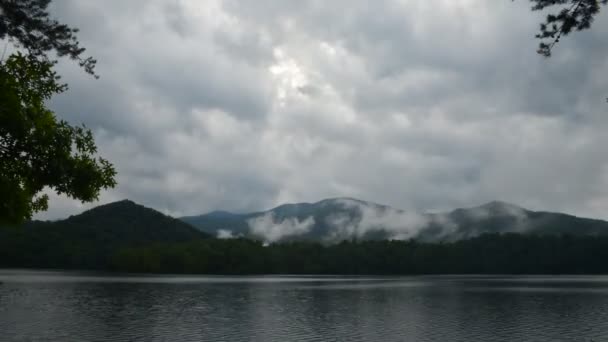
<point>91,237</point>
<point>337,219</point>
<point>500,217</point>
<point>129,237</point>
<point>330,219</point>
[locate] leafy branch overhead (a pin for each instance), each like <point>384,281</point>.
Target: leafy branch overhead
<point>573,15</point>
<point>37,150</point>
<point>27,23</point>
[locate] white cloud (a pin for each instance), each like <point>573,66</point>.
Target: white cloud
<point>244,105</point>
<point>225,234</point>
<point>272,229</point>
<point>398,224</point>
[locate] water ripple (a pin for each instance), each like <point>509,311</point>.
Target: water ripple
<point>48,306</point>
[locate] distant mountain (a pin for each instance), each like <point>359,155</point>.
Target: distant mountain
<point>216,221</point>
<point>499,217</point>
<point>338,219</point>
<point>95,234</point>
<point>298,221</point>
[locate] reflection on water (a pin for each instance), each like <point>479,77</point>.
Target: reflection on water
<point>69,306</point>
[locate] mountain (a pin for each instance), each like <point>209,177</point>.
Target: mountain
<point>216,221</point>
<point>298,221</point>
<point>337,219</point>
<point>93,235</point>
<point>126,236</point>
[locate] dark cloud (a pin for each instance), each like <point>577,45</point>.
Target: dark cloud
<point>242,105</point>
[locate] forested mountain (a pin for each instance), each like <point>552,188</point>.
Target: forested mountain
<point>330,219</point>
<point>124,236</point>
<point>500,217</point>
<point>334,220</point>
<point>89,239</point>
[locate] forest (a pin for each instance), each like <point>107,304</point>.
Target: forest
<point>487,254</point>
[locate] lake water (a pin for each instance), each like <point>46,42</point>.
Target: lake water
<point>71,306</point>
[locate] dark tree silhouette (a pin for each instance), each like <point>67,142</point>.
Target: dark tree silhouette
<point>37,150</point>
<point>27,23</point>
<point>572,15</point>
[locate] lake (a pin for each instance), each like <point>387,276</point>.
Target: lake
<point>76,306</point>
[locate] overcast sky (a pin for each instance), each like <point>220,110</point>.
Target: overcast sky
<point>425,105</point>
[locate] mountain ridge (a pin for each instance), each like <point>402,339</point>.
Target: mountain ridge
<point>93,236</point>
<point>127,237</point>
<point>338,218</point>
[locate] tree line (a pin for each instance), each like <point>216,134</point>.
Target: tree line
<point>487,254</point>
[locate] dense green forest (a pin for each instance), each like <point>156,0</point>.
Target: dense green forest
<point>490,253</point>
<point>486,254</point>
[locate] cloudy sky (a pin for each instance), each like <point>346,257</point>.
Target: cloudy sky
<point>426,105</point>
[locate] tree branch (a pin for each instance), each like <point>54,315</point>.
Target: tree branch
<point>545,49</point>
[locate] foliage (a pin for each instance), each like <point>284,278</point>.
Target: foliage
<point>574,15</point>
<point>27,23</point>
<point>36,149</point>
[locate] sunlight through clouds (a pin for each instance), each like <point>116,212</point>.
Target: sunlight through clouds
<point>241,106</point>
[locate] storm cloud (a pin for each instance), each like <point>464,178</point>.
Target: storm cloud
<point>243,105</point>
